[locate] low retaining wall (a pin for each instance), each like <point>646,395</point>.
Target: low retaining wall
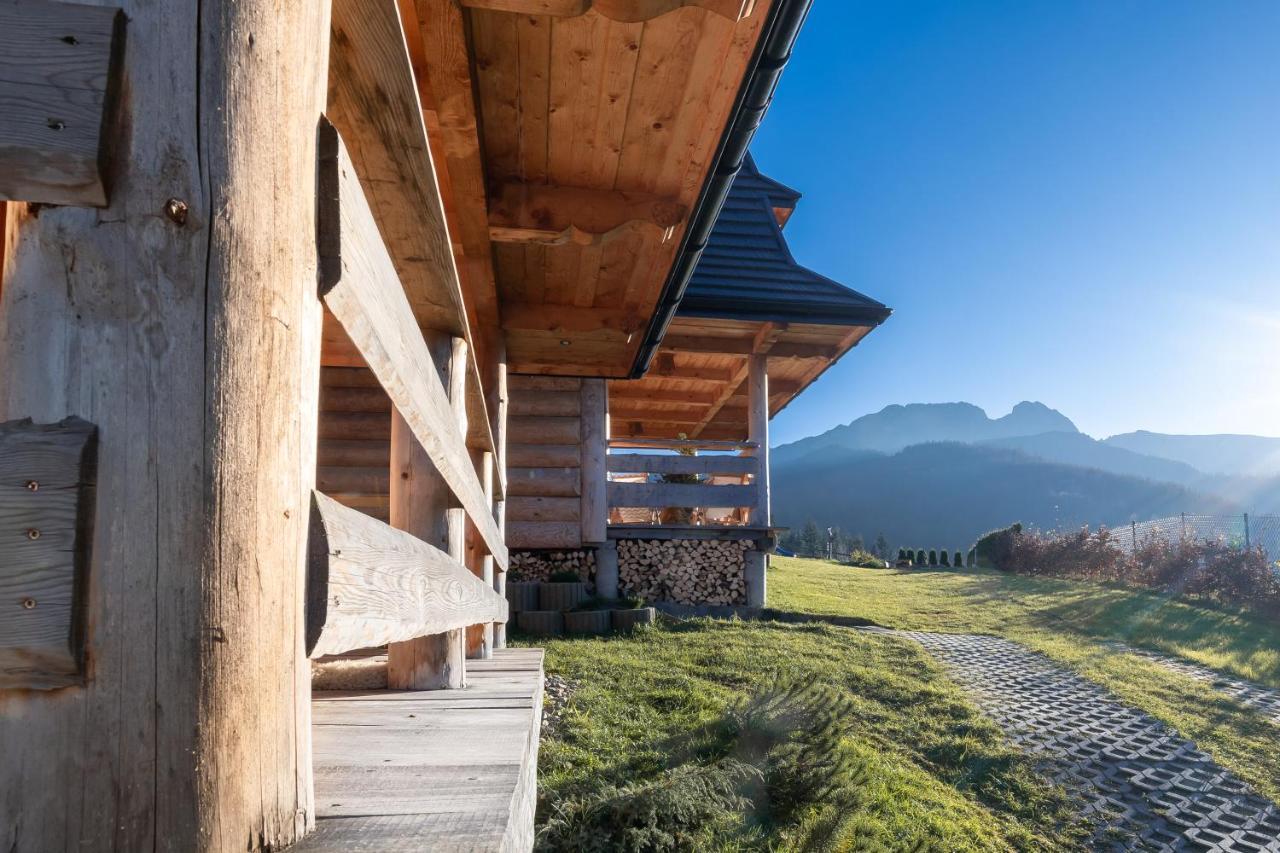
<point>684,571</point>
<point>541,565</point>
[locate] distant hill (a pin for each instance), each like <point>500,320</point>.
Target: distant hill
<point>946,494</point>
<point>1076,448</point>
<point>1246,455</point>
<point>896,427</point>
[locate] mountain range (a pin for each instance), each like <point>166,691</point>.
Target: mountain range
<point>950,472</point>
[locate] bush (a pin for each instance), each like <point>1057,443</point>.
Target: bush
<point>933,557</point>
<point>1206,569</point>
<point>865,559</point>
<point>994,549</point>
<point>943,560</point>
<point>921,559</point>
<point>902,555</point>
<point>958,562</point>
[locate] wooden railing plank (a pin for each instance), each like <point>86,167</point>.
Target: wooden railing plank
<point>373,98</point>
<point>660,495</point>
<point>647,463</point>
<point>369,584</point>
<point>361,288</point>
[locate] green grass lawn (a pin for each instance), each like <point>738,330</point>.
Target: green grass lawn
<point>934,774</point>
<point>1073,623</point>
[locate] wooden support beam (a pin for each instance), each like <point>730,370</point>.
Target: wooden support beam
<point>500,506</point>
<point>664,365</point>
<point>373,101</point>
<point>47,478</point>
<point>640,392</point>
<point>552,210</point>
<point>545,509</point>
<point>545,534</point>
<point>59,72</point>
<point>680,444</point>
<point>648,463</point>
<point>595,448</point>
<point>625,11</point>
<point>762,343</point>
<point>361,288</point>
<point>484,647</point>
<point>661,495</point>
<point>369,584</point>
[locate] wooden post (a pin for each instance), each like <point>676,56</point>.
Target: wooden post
<point>607,570</point>
<point>595,446</point>
<point>758,433</point>
<point>500,507</point>
<point>485,631</point>
<point>756,562</point>
<point>185,326</point>
<point>419,503</point>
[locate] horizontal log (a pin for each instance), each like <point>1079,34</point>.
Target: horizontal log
<point>366,481</point>
<point>47,482</point>
<point>544,455</point>
<point>356,425</point>
<point>58,69</point>
<point>680,443</point>
<point>560,404</point>
<point>524,382</point>
<point>362,289</point>
<point>543,482</point>
<point>661,495</point>
<point>348,377</point>
<point>635,463</point>
<point>542,430</point>
<point>369,584</point>
<point>543,509</point>
<point>348,399</point>
<point>544,534</point>
<point>353,453</point>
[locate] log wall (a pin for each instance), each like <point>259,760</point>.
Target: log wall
<point>355,440</point>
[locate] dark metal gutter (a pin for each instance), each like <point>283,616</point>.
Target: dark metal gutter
<point>785,20</point>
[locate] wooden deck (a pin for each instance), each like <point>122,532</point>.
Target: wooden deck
<point>440,770</point>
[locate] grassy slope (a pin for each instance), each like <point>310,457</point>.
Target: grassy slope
<point>1072,623</point>
<point>939,773</point>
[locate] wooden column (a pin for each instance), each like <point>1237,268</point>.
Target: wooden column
<point>758,433</point>
<point>419,503</point>
<point>757,561</point>
<point>500,507</point>
<point>595,446</point>
<point>182,321</point>
<point>483,634</point>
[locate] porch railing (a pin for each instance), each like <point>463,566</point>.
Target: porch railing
<point>636,493</point>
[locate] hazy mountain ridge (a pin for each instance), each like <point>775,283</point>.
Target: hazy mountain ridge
<point>970,472</point>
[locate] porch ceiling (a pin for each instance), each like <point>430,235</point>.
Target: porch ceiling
<point>574,140</point>
<point>697,383</point>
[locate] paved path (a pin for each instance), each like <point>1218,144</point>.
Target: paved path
<point>1145,786</point>
<point>1264,699</point>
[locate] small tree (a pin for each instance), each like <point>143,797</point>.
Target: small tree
<point>882,546</point>
<point>856,543</point>
<point>902,555</point>
<point>812,541</point>
<point>921,558</point>
<point>933,557</point>
<point>943,559</point>
<point>959,560</point>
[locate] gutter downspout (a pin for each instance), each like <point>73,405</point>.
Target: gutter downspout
<point>786,19</point>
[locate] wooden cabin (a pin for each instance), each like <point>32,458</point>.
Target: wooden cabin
<point>317,319</point>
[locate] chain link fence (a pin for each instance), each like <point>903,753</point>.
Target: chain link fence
<point>1245,531</point>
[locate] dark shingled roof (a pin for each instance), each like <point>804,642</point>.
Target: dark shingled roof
<point>747,272</point>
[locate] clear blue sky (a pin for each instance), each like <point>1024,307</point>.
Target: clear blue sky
<point>1072,201</point>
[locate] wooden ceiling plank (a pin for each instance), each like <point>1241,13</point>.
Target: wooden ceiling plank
<point>627,11</point>
<point>534,99</point>
<point>559,318</point>
<point>495,45</point>
<point>550,207</point>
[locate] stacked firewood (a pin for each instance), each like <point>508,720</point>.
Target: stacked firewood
<point>541,565</point>
<point>684,571</point>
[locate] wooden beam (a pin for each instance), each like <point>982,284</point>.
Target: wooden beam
<point>543,430</point>
<point>542,317</point>
<point>553,210</point>
<point>373,101</point>
<point>545,455</point>
<point>648,463</point>
<point>361,289</point>
<point>560,404</point>
<point>545,482</point>
<point>47,478</point>
<point>545,509</point>
<point>762,343</point>
<point>545,534</point>
<point>59,70</point>
<point>576,236</point>
<point>595,447</point>
<point>642,392</point>
<point>680,444</point>
<point>625,11</point>
<point>369,584</point>
<point>660,495</point>
<point>664,365</point>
